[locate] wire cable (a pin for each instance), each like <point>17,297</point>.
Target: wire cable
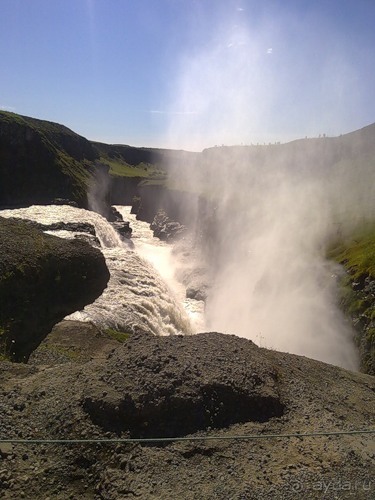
<point>245,437</point>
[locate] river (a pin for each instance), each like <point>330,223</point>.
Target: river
<point>142,293</point>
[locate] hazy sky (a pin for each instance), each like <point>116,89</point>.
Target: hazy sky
<point>190,73</point>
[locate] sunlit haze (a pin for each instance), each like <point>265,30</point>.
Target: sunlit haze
<point>191,74</point>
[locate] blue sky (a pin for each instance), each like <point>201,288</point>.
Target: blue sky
<point>190,73</point>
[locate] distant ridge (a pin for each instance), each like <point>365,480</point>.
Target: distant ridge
<point>42,160</point>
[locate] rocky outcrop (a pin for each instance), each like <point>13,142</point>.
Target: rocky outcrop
<point>114,215</point>
<point>117,222</point>
<point>82,230</point>
<point>42,279</point>
<point>198,291</point>
<point>123,228</point>
<point>77,227</point>
<point>166,229</point>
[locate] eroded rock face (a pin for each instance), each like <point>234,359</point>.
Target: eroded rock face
<point>173,386</point>
<point>359,307</point>
<point>42,279</point>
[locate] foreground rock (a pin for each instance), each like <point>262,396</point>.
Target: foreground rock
<point>42,279</point>
<point>207,385</point>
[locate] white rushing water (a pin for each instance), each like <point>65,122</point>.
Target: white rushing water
<point>136,297</point>
<point>160,255</point>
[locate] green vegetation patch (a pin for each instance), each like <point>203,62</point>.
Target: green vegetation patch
<point>117,335</point>
<point>120,168</point>
<point>70,353</point>
<point>358,253</point>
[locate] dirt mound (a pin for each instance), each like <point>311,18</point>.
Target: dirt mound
<point>183,384</point>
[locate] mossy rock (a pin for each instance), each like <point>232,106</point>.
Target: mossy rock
<point>42,279</point>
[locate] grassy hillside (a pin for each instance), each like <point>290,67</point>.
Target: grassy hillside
<point>150,164</point>
<point>41,160</point>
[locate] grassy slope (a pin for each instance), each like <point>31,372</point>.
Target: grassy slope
<point>151,165</point>
<point>47,150</point>
<point>119,168</point>
<point>357,255</point>
<point>75,157</point>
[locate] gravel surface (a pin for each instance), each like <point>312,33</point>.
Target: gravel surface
<point>82,384</point>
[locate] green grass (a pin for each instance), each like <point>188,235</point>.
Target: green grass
<point>357,254</point>
<point>50,134</point>
<point>117,335</point>
<point>120,168</point>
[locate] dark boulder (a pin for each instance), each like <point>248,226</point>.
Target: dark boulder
<point>123,228</point>
<point>114,215</point>
<point>117,222</point>
<point>42,279</point>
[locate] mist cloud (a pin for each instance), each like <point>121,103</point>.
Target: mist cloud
<point>277,211</point>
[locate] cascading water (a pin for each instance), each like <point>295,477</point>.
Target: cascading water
<point>159,254</point>
<point>136,298</point>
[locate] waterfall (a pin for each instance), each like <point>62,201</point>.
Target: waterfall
<point>160,255</point>
<point>136,298</point>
